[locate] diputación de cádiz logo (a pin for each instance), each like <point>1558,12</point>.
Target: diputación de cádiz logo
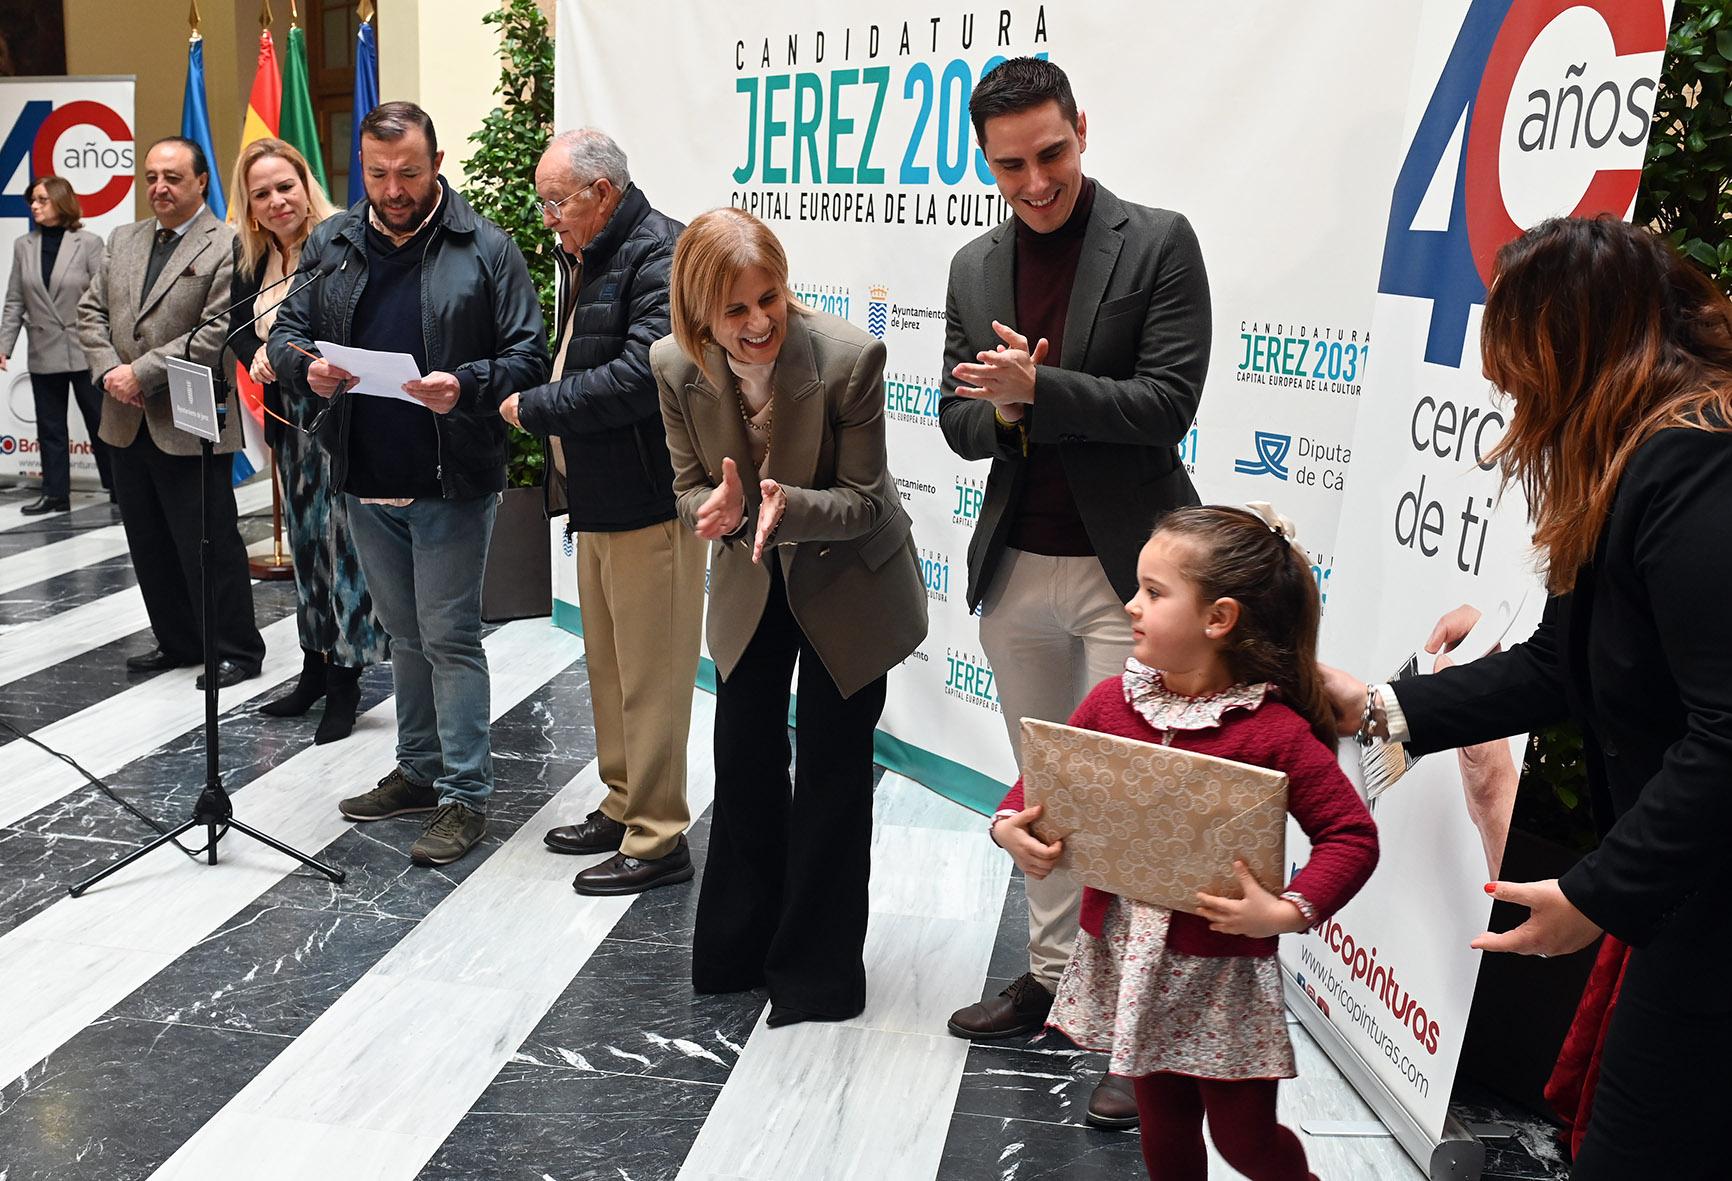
<point>1270,458</point>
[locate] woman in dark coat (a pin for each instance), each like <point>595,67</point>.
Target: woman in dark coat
<point>1617,355</point>
<point>339,633</point>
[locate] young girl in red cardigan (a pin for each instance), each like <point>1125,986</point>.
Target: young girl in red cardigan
<point>1189,1005</point>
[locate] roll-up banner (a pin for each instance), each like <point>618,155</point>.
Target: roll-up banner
<point>81,129</point>
<point>1346,167</point>
<point>845,127</point>
<point>1516,112</point>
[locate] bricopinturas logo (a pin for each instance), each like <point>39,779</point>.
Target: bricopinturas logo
<point>1448,213</point>
<point>85,141</point>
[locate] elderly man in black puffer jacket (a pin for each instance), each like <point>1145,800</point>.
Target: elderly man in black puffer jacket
<point>640,573</point>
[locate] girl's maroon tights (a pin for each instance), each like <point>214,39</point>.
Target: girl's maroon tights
<point>1170,1110</point>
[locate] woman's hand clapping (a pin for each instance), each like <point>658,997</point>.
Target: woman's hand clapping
<point>723,510</point>
<point>770,510</point>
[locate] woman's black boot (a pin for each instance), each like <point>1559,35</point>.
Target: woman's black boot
<point>307,690</point>
<point>342,699</point>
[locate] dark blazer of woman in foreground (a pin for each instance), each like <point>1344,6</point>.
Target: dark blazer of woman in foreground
<point>1618,358</point>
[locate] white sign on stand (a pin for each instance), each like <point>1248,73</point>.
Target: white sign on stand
<point>192,396</point>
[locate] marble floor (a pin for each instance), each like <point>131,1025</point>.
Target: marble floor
<point>254,1020</point>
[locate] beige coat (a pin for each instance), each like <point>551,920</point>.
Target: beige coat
<point>847,552</point>
<point>49,311</point>
<point>116,327</point>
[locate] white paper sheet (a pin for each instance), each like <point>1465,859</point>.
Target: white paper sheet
<point>381,374</point>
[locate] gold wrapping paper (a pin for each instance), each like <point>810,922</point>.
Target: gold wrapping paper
<point>1150,822</point>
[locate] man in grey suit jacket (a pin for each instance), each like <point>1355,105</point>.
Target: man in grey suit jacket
<point>158,280</point>
<point>1076,340</point>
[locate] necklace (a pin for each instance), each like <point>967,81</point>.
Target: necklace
<point>767,429</point>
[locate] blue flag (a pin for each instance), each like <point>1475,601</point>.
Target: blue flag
<point>366,98</point>
<point>195,123</point>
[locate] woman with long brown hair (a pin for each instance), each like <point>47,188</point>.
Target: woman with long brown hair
<point>277,202</point>
<point>1617,356</point>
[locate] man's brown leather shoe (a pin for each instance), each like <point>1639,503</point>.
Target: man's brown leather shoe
<point>595,833</point>
<point>1021,1008</point>
<point>1113,1104</point>
<point>620,874</point>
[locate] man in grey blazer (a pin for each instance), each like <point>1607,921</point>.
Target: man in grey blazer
<point>158,280</point>
<point>1076,340</point>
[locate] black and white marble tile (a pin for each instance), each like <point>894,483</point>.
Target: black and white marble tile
<point>613,1073</point>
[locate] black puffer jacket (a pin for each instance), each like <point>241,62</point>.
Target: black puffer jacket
<point>481,321</point>
<point>603,403</point>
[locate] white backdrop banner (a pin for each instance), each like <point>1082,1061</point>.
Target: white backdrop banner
<point>844,125</point>
<point>81,129</point>
<point>1517,112</point>
<point>1351,170</point>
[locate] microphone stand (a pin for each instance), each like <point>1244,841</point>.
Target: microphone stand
<point>213,810</point>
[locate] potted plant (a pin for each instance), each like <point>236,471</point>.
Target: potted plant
<point>500,184</point>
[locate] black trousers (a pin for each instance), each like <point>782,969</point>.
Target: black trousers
<point>783,901</point>
<point>1660,1106</point>
<point>50,391</point>
<point>160,501</point>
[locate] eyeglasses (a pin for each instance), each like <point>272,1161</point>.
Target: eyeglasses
<point>551,208</point>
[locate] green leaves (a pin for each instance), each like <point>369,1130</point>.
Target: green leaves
<point>1686,191</point>
<point>500,173</point>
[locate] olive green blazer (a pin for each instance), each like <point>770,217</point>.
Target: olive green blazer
<point>845,542</point>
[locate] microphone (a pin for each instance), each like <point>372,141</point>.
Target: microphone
<point>312,278</point>
<point>186,354</point>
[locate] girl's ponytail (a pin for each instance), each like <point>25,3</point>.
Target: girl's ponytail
<point>1237,555</point>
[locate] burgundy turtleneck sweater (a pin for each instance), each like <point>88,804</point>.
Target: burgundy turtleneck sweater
<point>1045,519</point>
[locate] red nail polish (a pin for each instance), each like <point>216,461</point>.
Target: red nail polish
<point>1491,887</point>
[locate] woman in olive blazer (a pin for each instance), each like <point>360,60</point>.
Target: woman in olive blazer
<point>775,422</point>
<point>51,267</point>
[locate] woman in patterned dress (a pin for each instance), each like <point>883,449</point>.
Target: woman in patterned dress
<point>339,633</point>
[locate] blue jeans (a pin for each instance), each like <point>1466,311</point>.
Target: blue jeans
<point>423,566</point>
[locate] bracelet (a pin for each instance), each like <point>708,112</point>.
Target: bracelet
<point>992,826</point>
<point>1306,910</point>
<point>1369,719</point>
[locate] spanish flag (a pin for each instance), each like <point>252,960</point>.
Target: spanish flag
<point>265,107</point>
<point>264,117</point>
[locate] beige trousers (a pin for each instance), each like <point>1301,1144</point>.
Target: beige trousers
<point>642,597</point>
<point>1053,629</point>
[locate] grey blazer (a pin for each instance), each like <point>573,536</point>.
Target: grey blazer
<point>116,327</point>
<point>49,312</point>
<point>1116,403</point>
<point>845,542</point>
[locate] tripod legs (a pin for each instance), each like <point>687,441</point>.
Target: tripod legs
<point>212,811</point>
<point>213,834</point>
